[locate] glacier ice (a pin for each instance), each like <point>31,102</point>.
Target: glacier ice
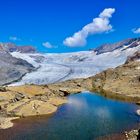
<point>56,67</point>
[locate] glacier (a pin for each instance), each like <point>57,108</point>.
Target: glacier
<point>57,67</point>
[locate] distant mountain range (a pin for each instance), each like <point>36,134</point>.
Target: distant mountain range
<point>11,47</point>
<point>108,47</point>
<point>131,42</point>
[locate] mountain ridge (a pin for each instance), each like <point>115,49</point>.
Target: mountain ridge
<point>108,47</point>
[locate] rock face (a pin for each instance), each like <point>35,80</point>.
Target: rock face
<point>11,47</point>
<point>132,42</point>
<point>12,69</point>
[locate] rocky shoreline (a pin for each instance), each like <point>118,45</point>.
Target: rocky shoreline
<point>28,100</point>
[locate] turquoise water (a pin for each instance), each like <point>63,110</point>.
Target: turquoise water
<point>86,116</point>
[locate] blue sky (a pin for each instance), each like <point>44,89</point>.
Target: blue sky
<point>40,22</point>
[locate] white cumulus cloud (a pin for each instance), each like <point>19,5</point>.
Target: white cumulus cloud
<point>100,24</point>
<point>136,31</point>
<point>48,45</point>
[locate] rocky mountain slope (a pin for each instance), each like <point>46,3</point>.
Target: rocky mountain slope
<point>134,57</point>
<point>12,69</point>
<point>123,81</point>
